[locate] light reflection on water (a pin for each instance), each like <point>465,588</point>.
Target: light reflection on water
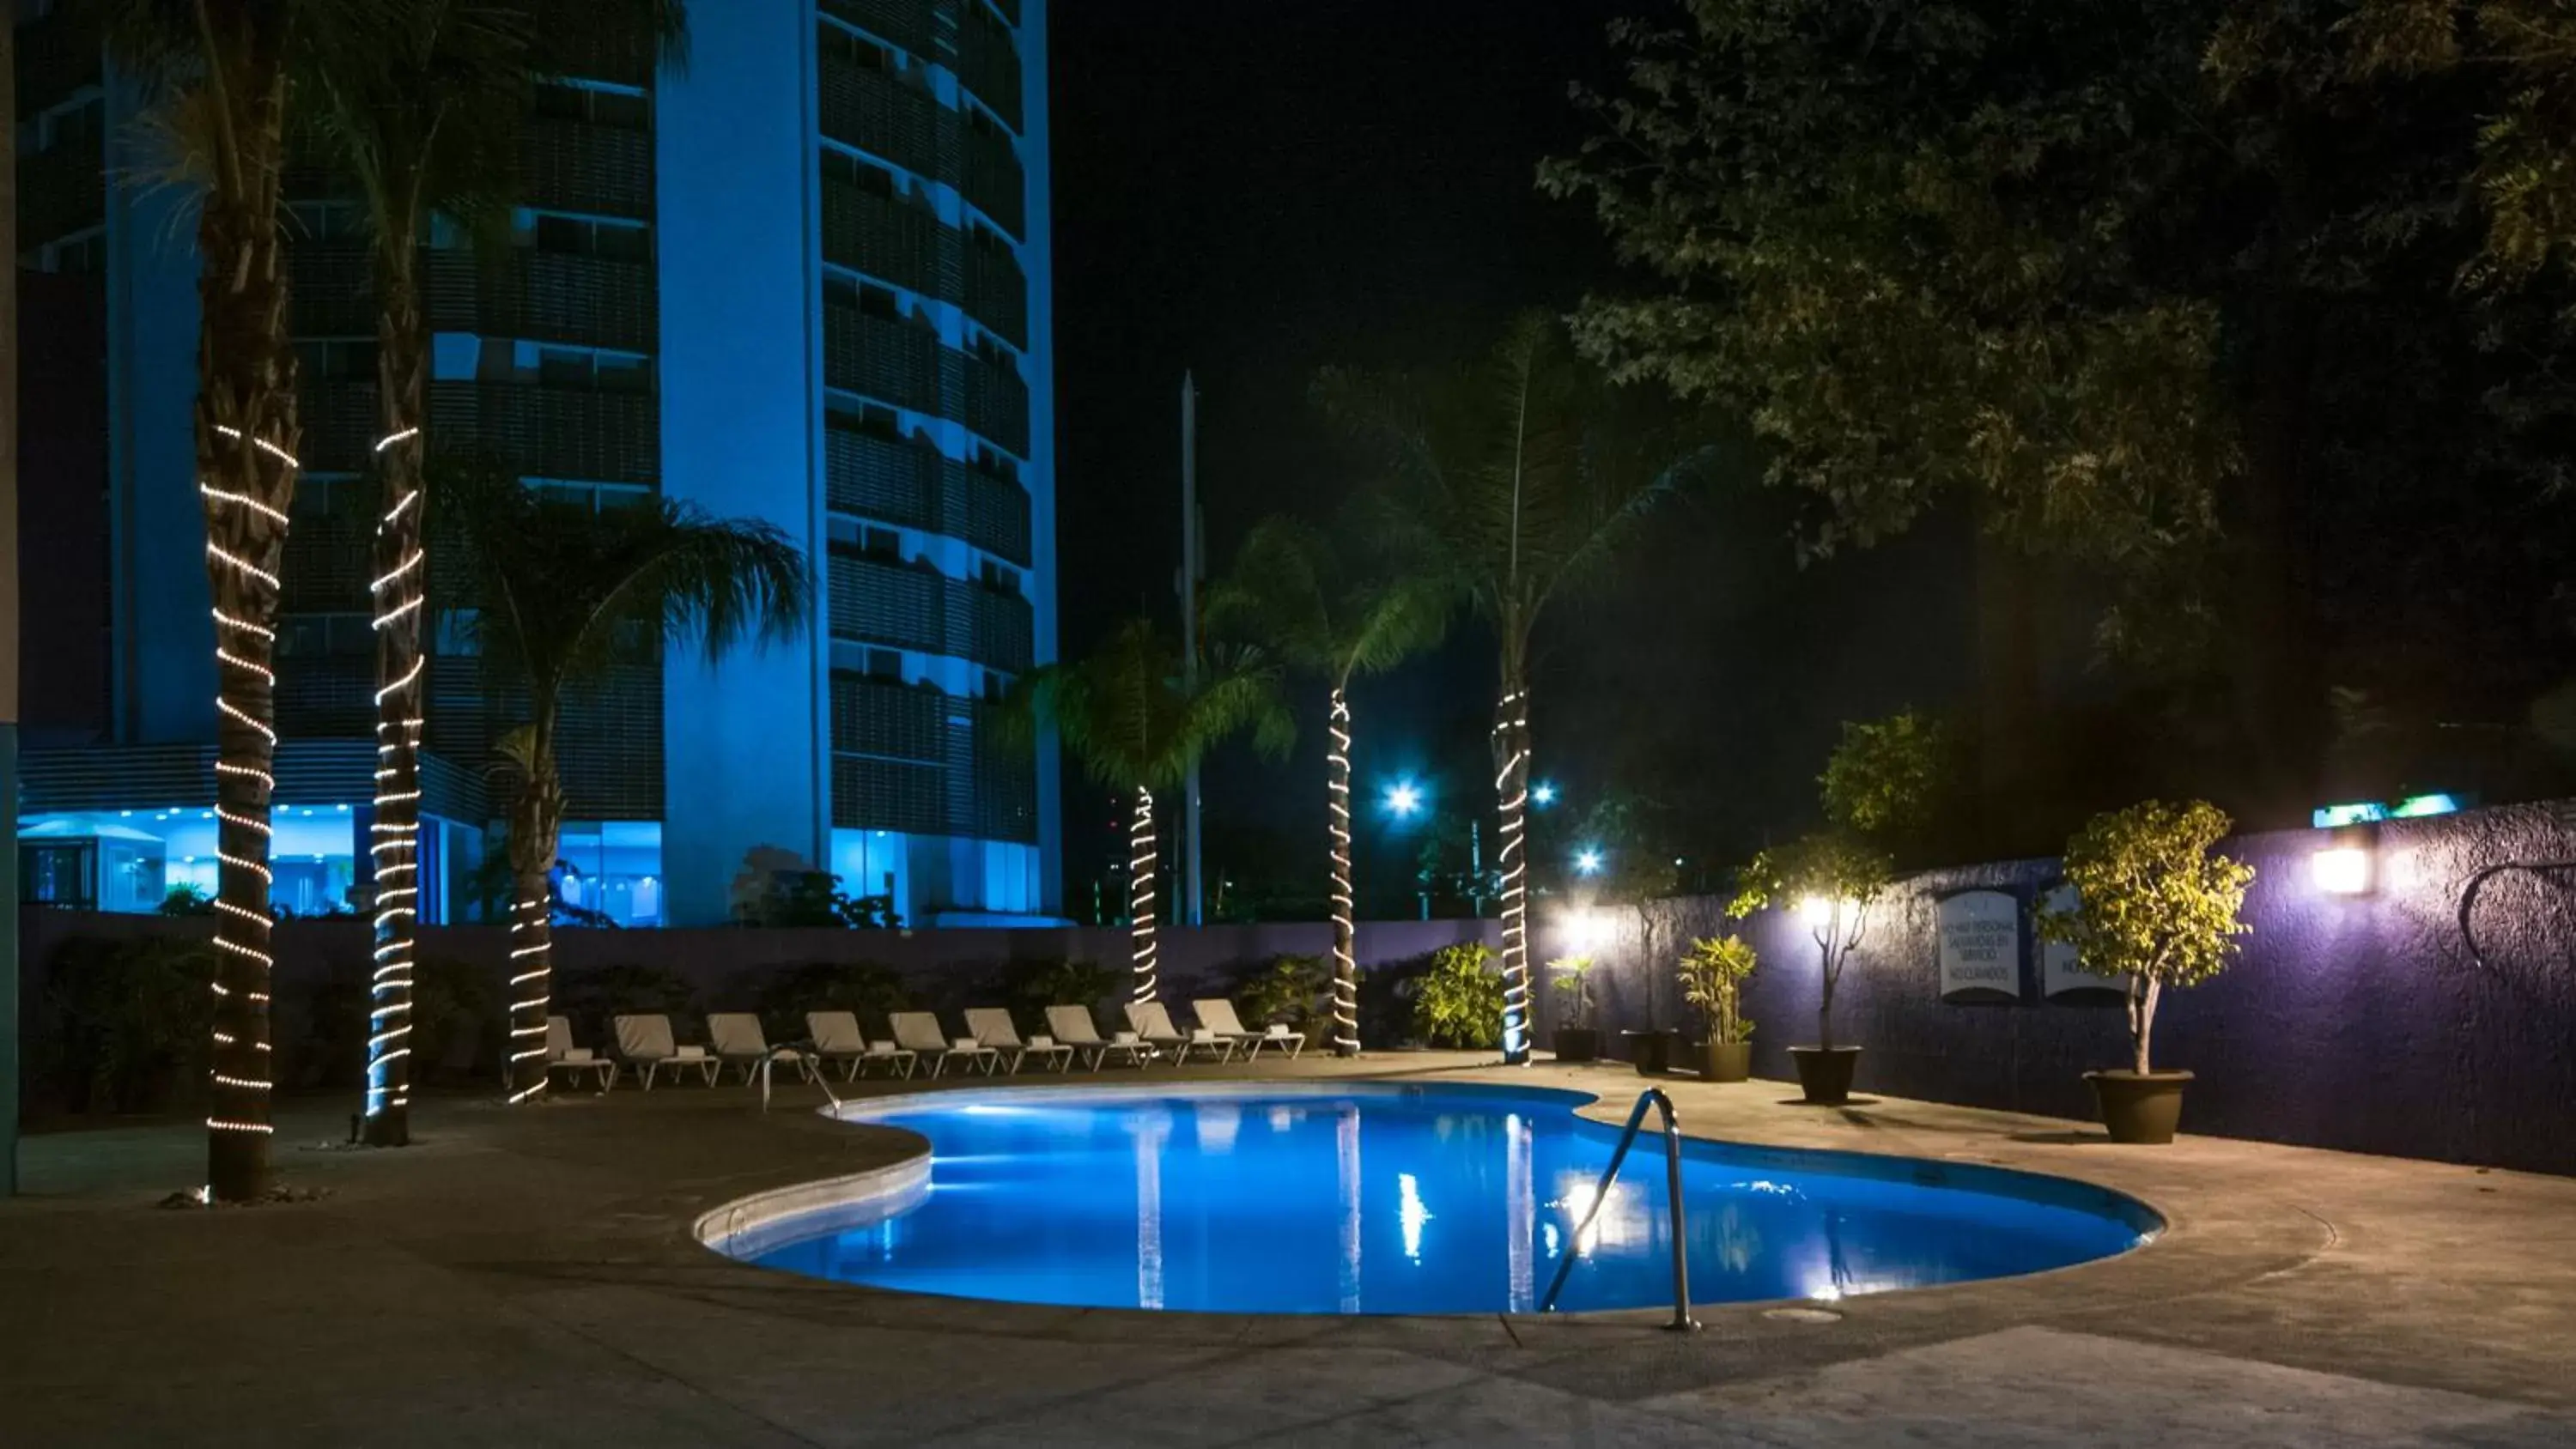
<point>1407,1201</point>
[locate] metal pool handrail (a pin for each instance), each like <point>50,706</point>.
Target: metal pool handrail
<point>813,1055</point>
<point>1651,1097</point>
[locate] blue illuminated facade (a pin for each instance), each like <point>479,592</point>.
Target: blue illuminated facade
<point>805,280</point>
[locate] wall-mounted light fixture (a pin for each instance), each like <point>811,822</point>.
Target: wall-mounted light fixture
<point>2348,865</point>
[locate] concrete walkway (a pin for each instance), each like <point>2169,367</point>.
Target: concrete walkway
<point>525,1278</point>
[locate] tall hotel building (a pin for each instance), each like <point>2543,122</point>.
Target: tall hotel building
<point>803,278</point>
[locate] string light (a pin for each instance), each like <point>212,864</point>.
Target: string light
<point>1337,804</point>
<point>528,922</point>
<point>1143,953</point>
<point>244,933</point>
<point>394,852</point>
<point>1511,751</point>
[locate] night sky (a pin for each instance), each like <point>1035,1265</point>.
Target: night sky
<point>1255,190</point>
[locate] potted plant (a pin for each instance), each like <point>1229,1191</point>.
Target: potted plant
<point>1832,880</point>
<point>1711,976</point>
<point>1577,1040</point>
<point>2152,905</point>
<point>1458,1002</point>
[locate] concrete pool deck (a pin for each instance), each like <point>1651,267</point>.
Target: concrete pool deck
<point>528,1278</point>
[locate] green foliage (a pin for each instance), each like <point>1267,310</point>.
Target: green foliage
<point>1332,605</point>
<point>1902,239</point>
<point>1033,986</point>
<point>1712,975</point>
<point>590,998</point>
<point>1886,778</point>
<point>1127,714</point>
<point>1290,991</point>
<point>1459,1001</point>
<point>1572,975</point>
<point>1825,865</point>
<point>2152,901</point>
<point>864,987</point>
<point>125,1023</point>
<point>814,898</point>
<point>187,900</point>
<point>452,1002</point>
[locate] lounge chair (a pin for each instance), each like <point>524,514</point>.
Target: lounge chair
<point>994,1028</point>
<point>837,1038</point>
<point>919,1031</point>
<point>1073,1026</point>
<point>644,1043</point>
<point>562,1057</point>
<point>739,1042</point>
<point>1218,1016</point>
<point>1154,1024</point>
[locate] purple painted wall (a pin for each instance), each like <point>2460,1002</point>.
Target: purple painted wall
<point>2359,1023</point>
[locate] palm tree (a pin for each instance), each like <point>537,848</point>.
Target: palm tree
<point>566,594</point>
<point>1334,612</point>
<point>1519,478</point>
<point>431,128</point>
<point>216,76</point>
<point>1137,726</point>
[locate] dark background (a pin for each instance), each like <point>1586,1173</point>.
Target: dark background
<point>1252,191</point>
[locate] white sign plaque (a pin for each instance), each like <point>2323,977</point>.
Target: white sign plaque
<point>1980,947</point>
<point>2058,973</point>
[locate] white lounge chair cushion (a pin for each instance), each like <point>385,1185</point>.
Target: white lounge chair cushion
<point>576,1054</point>
<point>688,1053</point>
<point>1123,1038</point>
<point>1279,1030</point>
<point>965,1044</point>
<point>1200,1033</point>
<point>1040,1041</point>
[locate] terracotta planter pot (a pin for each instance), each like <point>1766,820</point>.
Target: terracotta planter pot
<point>1825,1073</point>
<point>1577,1044</point>
<point>2140,1109</point>
<point>1721,1061</point>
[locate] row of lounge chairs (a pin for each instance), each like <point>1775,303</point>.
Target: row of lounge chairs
<point>992,1044</point>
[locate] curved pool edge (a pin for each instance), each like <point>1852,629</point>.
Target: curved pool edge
<point>745,1227</point>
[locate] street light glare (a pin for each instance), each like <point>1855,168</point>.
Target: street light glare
<point>1543,793</point>
<point>1403,797</point>
<point>1588,862</point>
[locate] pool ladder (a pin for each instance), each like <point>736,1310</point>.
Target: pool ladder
<point>1651,1097</point>
<point>818,1078</point>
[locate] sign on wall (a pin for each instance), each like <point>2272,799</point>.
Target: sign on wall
<point>2058,973</point>
<point>1980,947</point>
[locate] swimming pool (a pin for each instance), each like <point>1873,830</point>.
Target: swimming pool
<point>1386,1198</point>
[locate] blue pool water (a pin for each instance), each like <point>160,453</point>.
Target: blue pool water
<point>1402,1199</point>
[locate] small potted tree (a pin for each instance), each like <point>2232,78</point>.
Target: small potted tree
<point>1832,881</point>
<point>2154,905</point>
<point>1577,1040</point>
<point>1711,976</point>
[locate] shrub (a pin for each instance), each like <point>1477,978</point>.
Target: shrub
<point>1290,991</point>
<point>590,998</point>
<point>864,987</point>
<point>1572,975</point>
<point>1032,986</point>
<point>125,1023</point>
<point>1459,1001</point>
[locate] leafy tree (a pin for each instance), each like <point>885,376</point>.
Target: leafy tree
<point>1833,882</point>
<point>1335,610</point>
<point>1515,480</point>
<point>566,595</point>
<point>431,127</point>
<point>1137,725</point>
<point>216,75</point>
<point>1713,974</point>
<point>1572,976</point>
<point>1285,992</point>
<point>1889,780</point>
<point>2152,903</point>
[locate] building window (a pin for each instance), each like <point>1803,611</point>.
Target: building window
<point>885,664</point>
<point>627,110</point>
<point>857,49</point>
<point>585,237</point>
<point>342,361</point>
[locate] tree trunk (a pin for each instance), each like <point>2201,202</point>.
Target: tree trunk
<point>1825,1002</point>
<point>1143,956</point>
<point>1511,790</point>
<point>246,440</point>
<point>536,826</point>
<point>2142,1018</point>
<point>400,602</point>
<point>1337,820</point>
